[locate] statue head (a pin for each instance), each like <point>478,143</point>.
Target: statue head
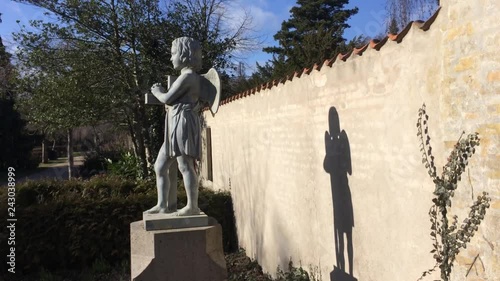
<point>186,52</point>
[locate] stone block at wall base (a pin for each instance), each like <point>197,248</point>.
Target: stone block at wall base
<point>187,254</point>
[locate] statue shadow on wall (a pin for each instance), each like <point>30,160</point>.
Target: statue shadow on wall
<point>337,163</point>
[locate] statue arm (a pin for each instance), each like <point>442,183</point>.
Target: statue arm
<point>178,88</point>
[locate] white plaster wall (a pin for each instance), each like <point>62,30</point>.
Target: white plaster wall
<point>269,148</point>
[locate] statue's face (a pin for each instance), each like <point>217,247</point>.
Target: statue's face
<point>176,58</point>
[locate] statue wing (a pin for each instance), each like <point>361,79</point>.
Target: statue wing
<point>211,89</point>
<point>346,151</point>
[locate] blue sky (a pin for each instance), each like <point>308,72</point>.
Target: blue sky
<point>267,18</point>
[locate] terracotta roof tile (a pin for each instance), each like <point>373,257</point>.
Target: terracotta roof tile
<point>329,62</point>
<point>373,44</point>
<point>399,37</point>
<point>306,71</point>
<point>378,44</point>
<point>360,51</point>
<point>345,56</point>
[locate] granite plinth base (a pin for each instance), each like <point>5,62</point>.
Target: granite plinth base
<point>186,254</point>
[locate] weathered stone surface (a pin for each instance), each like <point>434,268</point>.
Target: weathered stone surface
<point>172,221</point>
<point>188,254</point>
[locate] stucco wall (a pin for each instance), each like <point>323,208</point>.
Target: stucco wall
<point>470,101</point>
<point>269,149</point>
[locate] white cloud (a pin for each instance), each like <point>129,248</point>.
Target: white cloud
<point>266,18</point>
<point>264,21</point>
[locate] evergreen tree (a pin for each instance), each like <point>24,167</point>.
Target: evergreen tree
<point>15,143</point>
<point>311,34</point>
<point>393,26</point>
<point>278,69</point>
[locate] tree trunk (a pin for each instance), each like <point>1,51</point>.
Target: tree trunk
<point>70,154</point>
<point>97,141</point>
<point>140,133</point>
<point>45,151</point>
<point>133,138</point>
<point>147,141</point>
<point>141,150</point>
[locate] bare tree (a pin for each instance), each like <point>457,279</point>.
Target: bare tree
<point>224,19</point>
<point>401,12</point>
<point>125,47</point>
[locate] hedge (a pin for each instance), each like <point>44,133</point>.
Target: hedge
<point>70,224</point>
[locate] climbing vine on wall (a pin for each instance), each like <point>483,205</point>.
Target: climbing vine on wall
<point>449,237</point>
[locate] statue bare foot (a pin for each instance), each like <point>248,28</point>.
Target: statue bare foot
<point>159,210</point>
<point>188,211</point>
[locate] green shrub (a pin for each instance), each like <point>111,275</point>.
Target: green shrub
<point>241,267</point>
<point>453,236</point>
<point>46,275</point>
<point>100,265</point>
<point>71,224</point>
<point>219,205</point>
<point>298,273</point>
<point>98,162</point>
<point>99,187</point>
<point>70,234</point>
<point>127,166</point>
<point>94,162</point>
<point>16,142</point>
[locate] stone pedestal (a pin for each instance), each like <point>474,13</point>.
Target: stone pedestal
<point>184,254</point>
<point>169,221</point>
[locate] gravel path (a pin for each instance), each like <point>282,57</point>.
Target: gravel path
<point>52,170</point>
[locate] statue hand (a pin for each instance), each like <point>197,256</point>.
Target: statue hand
<point>157,88</point>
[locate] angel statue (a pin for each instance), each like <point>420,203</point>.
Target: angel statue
<point>185,96</point>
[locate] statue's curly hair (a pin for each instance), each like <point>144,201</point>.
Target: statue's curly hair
<point>189,52</point>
